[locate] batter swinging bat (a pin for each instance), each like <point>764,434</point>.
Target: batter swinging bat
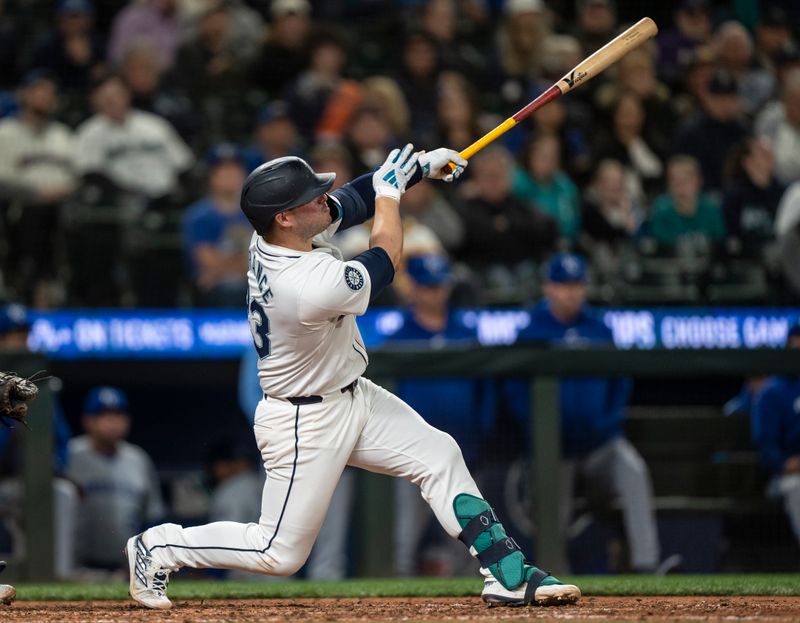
<point>587,69</point>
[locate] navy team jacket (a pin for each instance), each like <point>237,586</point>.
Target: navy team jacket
<point>592,409</point>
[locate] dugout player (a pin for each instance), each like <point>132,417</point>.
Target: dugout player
<point>776,431</point>
<point>592,412</point>
<point>318,413</point>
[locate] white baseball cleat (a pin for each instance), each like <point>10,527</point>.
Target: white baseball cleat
<point>7,594</point>
<point>551,594</point>
<point>149,580</point>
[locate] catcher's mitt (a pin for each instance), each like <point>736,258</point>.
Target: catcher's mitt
<point>15,393</point>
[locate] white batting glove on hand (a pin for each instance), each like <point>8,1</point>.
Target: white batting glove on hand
<point>392,177</point>
<point>435,164</point>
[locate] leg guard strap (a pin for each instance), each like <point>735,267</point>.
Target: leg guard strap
<point>478,524</point>
<point>497,551</point>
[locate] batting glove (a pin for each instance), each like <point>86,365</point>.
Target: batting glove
<point>392,177</point>
<point>435,164</point>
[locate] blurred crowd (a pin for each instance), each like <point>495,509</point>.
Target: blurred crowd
<point>127,128</point>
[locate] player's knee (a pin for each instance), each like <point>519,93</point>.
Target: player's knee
<point>287,565</point>
<point>448,449</point>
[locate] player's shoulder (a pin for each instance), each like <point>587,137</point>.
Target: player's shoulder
<point>78,446</point>
<point>133,453</point>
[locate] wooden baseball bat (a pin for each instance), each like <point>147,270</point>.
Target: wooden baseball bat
<point>587,69</point>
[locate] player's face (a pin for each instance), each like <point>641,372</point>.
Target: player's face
<point>566,299</point>
<point>108,428</point>
<point>794,342</point>
<point>311,218</point>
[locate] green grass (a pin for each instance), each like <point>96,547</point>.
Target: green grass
<point>779,584</point>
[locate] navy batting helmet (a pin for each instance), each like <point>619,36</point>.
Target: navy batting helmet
<point>280,185</point>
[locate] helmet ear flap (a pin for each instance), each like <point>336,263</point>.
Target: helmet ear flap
<point>335,208</point>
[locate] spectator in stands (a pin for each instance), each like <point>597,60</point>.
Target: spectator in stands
<point>217,234</point>
<point>120,487</point>
<point>499,228</point>
<point>37,174</point>
<point>776,432</point>
<point>675,45</point>
<point>131,150</point>
<point>773,34</point>
<point>684,210</point>
<point>456,112</point>
<point>418,78</point>
<point>710,135</point>
<point>627,143</point>
<point>275,136</point>
<point>311,93</point>
<point>592,412</point>
<point>521,34</point>
<point>285,52</point>
<point>610,214</point>
<point>335,158</point>
<point>141,71</point>
<point>596,23</point>
<point>780,123</point>
<point>385,95</point>
<point>154,22</point>
<point>636,75</point>
<point>455,405</point>
<point>73,51</point>
<point>734,47</point>
<point>210,63</point>
<point>368,140</point>
<point>752,192</point>
<point>429,207</point>
<point>542,183</point>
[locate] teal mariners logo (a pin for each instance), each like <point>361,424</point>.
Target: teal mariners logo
<point>353,278</point>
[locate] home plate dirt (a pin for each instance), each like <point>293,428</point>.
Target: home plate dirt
<point>416,609</point>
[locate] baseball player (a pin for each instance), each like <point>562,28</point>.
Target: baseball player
<point>318,413</point>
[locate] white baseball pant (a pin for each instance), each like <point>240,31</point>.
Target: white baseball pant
<point>305,447</point>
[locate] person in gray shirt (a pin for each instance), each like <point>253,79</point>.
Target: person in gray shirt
<point>121,491</point>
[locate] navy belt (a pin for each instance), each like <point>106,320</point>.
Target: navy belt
<point>311,400</point>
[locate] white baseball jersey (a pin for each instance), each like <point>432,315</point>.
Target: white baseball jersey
<point>302,308</point>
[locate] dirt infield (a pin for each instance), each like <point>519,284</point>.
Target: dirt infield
<point>417,609</point>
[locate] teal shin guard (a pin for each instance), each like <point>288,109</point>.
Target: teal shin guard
<point>495,549</point>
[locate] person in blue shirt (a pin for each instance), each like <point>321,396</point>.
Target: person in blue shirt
<point>458,406</point>
<point>592,411</point>
<point>776,432</point>
<point>217,234</point>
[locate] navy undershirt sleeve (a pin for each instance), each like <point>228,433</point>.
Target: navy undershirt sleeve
<point>380,269</point>
<point>357,199</point>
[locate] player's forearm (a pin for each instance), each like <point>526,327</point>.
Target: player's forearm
<point>357,199</point>
<point>387,229</point>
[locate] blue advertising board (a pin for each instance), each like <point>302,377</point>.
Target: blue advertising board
<point>196,334</point>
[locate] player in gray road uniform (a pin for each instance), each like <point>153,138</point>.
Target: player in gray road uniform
<point>318,413</point>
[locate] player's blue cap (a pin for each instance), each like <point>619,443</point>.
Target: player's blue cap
<point>104,399</point>
<point>14,318</point>
<point>272,111</point>
<point>566,268</point>
<point>429,270</point>
<point>75,7</point>
<point>224,152</point>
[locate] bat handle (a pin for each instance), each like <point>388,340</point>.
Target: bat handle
<point>484,140</point>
